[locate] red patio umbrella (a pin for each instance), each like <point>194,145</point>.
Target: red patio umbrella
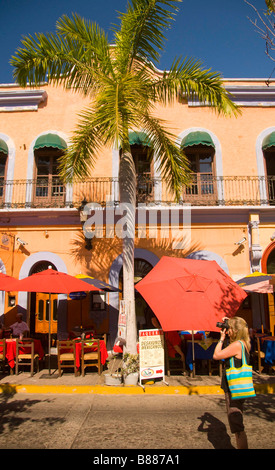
<point>8,283</point>
<point>53,282</point>
<point>187,294</point>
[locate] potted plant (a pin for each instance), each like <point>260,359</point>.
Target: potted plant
<point>130,368</point>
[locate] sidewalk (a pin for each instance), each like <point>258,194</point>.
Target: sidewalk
<point>92,383</point>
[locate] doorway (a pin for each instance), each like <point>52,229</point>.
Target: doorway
<point>42,309</point>
<point>40,306</point>
<point>143,311</point>
<point>268,266</point>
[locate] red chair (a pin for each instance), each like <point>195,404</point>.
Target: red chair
<point>3,353</point>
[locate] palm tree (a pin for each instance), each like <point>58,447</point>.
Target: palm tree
<point>123,84</point>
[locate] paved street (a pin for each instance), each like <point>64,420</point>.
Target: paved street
<point>85,421</point>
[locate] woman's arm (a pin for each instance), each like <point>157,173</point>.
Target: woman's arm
<point>234,349</point>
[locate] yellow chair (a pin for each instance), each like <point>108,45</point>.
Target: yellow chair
<point>27,356</point>
<point>257,356</point>
<point>66,357</point>
<point>90,358</point>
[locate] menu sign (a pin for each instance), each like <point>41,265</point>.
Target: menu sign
<point>151,354</point>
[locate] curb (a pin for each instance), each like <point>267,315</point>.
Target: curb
<point>11,389</point>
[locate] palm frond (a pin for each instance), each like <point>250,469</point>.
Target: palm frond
<point>86,143</point>
<point>141,33</point>
<point>188,78</point>
<point>74,58</point>
<point>170,159</point>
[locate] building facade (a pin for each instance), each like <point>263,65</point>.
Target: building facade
<point>226,214</point>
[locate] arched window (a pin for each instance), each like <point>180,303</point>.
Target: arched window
<point>143,311</point>
<point>200,151</point>
<point>3,168</point>
<point>270,264</point>
<point>49,189</point>
<point>142,154</point>
<point>268,148</point>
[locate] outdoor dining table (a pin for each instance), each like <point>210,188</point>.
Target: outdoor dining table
<point>268,347</point>
<point>11,350</point>
<point>203,349</point>
<point>187,335</point>
<point>103,351</point>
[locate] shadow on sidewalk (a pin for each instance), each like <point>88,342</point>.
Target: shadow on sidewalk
<point>216,431</point>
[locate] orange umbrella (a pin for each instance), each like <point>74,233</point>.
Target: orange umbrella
<point>187,294</point>
<point>53,282</point>
<point>8,283</point>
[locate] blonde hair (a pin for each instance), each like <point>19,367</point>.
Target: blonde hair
<point>239,330</point>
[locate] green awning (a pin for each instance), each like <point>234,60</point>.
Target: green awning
<point>139,138</point>
<point>269,141</point>
<point>3,147</point>
<point>197,138</point>
<point>50,140</point>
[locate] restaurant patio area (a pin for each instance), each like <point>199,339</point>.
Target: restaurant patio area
<point>94,383</point>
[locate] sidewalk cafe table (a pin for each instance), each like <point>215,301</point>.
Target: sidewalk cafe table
<point>203,350</point>
<point>11,350</point>
<point>103,351</point>
<point>268,347</point>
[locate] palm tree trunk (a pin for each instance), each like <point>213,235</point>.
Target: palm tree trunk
<point>127,185</point>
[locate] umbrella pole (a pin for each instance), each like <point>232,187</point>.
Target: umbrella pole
<point>193,355</point>
<point>49,375</point>
<point>49,346</point>
<point>260,310</point>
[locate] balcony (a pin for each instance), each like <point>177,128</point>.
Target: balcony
<point>204,190</point>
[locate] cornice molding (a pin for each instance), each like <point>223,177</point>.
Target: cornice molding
<point>21,100</point>
<point>246,96</point>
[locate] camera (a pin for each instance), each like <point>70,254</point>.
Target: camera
<point>223,325</point>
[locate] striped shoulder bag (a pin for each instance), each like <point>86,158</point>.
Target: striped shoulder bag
<point>239,380</point>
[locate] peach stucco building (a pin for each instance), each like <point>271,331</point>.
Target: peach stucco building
<point>227,214</point>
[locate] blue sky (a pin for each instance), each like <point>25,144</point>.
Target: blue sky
<point>218,32</point>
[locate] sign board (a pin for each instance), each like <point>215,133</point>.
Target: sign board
<point>122,321</point>
<point>151,354</point>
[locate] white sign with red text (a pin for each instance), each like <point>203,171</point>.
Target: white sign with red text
<point>122,320</point>
<point>151,354</point>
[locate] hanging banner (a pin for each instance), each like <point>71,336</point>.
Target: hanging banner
<point>151,354</point>
<point>121,332</point>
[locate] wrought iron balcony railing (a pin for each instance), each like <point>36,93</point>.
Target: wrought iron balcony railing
<point>204,190</point>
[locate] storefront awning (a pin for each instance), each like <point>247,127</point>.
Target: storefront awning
<point>197,138</point>
<point>3,147</point>
<point>139,138</point>
<point>50,140</point>
<point>269,141</point>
